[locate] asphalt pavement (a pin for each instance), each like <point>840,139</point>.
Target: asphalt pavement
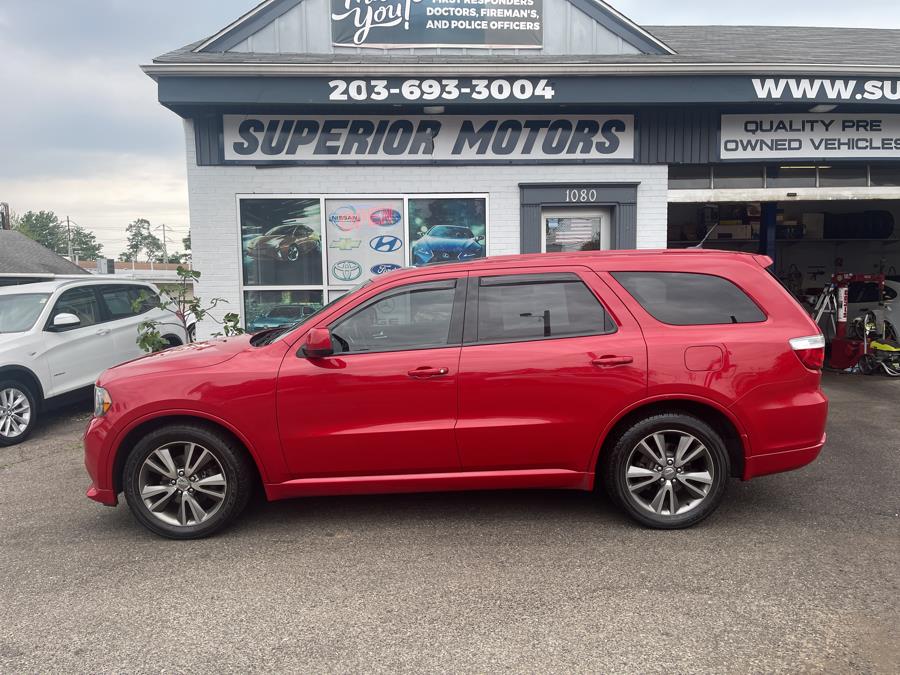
<point>794,573</point>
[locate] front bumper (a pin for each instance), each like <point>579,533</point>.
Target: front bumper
<point>96,461</point>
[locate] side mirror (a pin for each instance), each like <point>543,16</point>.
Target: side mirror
<point>318,343</point>
<point>65,320</point>
<point>479,238</point>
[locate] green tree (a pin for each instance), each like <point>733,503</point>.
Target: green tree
<point>183,305</point>
<point>141,241</point>
<point>47,229</point>
<point>44,227</point>
<point>85,244</point>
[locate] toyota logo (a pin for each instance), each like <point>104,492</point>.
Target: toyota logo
<point>385,243</point>
<point>346,270</point>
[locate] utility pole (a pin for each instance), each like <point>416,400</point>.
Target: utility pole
<point>69,239</point>
<point>5,223</point>
<point>164,243</point>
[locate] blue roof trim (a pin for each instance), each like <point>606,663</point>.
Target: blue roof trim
<point>626,30</point>
<point>252,25</point>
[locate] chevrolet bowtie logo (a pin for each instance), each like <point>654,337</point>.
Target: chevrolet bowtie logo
<point>345,244</point>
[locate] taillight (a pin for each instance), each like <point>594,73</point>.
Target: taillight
<point>810,350</point>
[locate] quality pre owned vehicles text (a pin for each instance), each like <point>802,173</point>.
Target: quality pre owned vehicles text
<point>653,376</point>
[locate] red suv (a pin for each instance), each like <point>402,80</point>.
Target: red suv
<point>652,375</point>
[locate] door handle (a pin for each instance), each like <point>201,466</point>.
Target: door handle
<point>612,361</point>
<point>103,331</point>
<point>425,372</point>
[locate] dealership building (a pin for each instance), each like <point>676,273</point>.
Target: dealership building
<point>330,141</point>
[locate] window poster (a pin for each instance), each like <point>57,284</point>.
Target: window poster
<point>281,241</point>
<point>365,239</point>
<point>446,229</point>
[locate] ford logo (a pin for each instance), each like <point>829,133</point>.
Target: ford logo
<point>385,217</point>
<point>386,267</point>
<point>346,270</point>
<point>385,243</point>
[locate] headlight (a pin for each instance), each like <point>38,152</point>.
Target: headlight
<point>102,401</point>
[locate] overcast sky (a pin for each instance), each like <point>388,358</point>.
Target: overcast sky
<point>81,132</point>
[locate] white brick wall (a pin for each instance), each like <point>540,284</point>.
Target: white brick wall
<point>214,219</point>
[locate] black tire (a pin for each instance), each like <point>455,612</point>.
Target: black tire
<point>615,467</point>
<point>172,341</point>
<point>192,333</point>
<point>7,440</point>
<point>293,253</point>
<point>232,458</point>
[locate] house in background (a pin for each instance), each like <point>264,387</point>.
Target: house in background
<point>24,261</point>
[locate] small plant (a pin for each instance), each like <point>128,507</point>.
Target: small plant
<point>186,307</point>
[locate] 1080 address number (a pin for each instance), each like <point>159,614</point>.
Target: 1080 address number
<point>433,90</point>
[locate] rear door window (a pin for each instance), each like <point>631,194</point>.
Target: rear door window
<point>690,299</point>
<point>524,307</point>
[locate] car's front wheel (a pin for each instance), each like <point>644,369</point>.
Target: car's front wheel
<point>186,482</point>
<point>18,412</point>
<point>668,471</point>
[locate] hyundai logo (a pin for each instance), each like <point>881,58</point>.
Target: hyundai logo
<point>384,268</point>
<point>385,243</point>
<point>346,270</point>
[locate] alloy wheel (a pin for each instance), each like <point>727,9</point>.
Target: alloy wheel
<point>15,412</point>
<point>669,473</point>
<point>182,484</point>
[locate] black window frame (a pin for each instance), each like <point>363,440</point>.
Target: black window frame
<point>762,311</point>
<point>457,316</point>
<point>107,313</point>
<point>470,336</point>
<point>49,327</point>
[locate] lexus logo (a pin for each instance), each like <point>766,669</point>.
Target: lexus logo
<point>385,243</point>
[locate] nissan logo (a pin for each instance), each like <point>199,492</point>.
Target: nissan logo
<point>385,243</point>
<point>346,270</point>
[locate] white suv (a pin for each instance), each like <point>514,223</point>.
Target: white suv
<point>56,337</point>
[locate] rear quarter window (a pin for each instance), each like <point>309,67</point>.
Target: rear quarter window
<point>690,299</point>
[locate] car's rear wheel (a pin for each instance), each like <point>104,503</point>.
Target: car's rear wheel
<point>186,481</point>
<point>668,471</point>
<point>18,412</point>
<point>293,253</point>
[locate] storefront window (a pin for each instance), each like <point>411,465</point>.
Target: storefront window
<point>282,242</point>
<point>446,229</point>
<point>580,233</point>
<point>270,309</point>
<point>731,176</point>
<point>788,176</point>
<point>365,238</point>
<point>843,175</point>
<point>689,177</point>
<point>885,175</point>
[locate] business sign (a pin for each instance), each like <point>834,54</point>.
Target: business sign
<point>291,138</point>
<point>437,23</point>
<point>365,238</point>
<point>810,136</point>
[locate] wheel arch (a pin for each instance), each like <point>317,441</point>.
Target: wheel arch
<point>27,377</point>
<point>145,426</point>
<point>718,418</point>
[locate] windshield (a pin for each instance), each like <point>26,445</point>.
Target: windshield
<point>281,229</point>
<point>269,336</point>
<point>19,312</point>
<point>449,232</point>
<point>285,312</point>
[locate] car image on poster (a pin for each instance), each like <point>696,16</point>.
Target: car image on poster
<point>443,230</point>
<point>365,238</point>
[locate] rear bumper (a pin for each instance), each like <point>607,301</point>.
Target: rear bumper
<point>777,462</point>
